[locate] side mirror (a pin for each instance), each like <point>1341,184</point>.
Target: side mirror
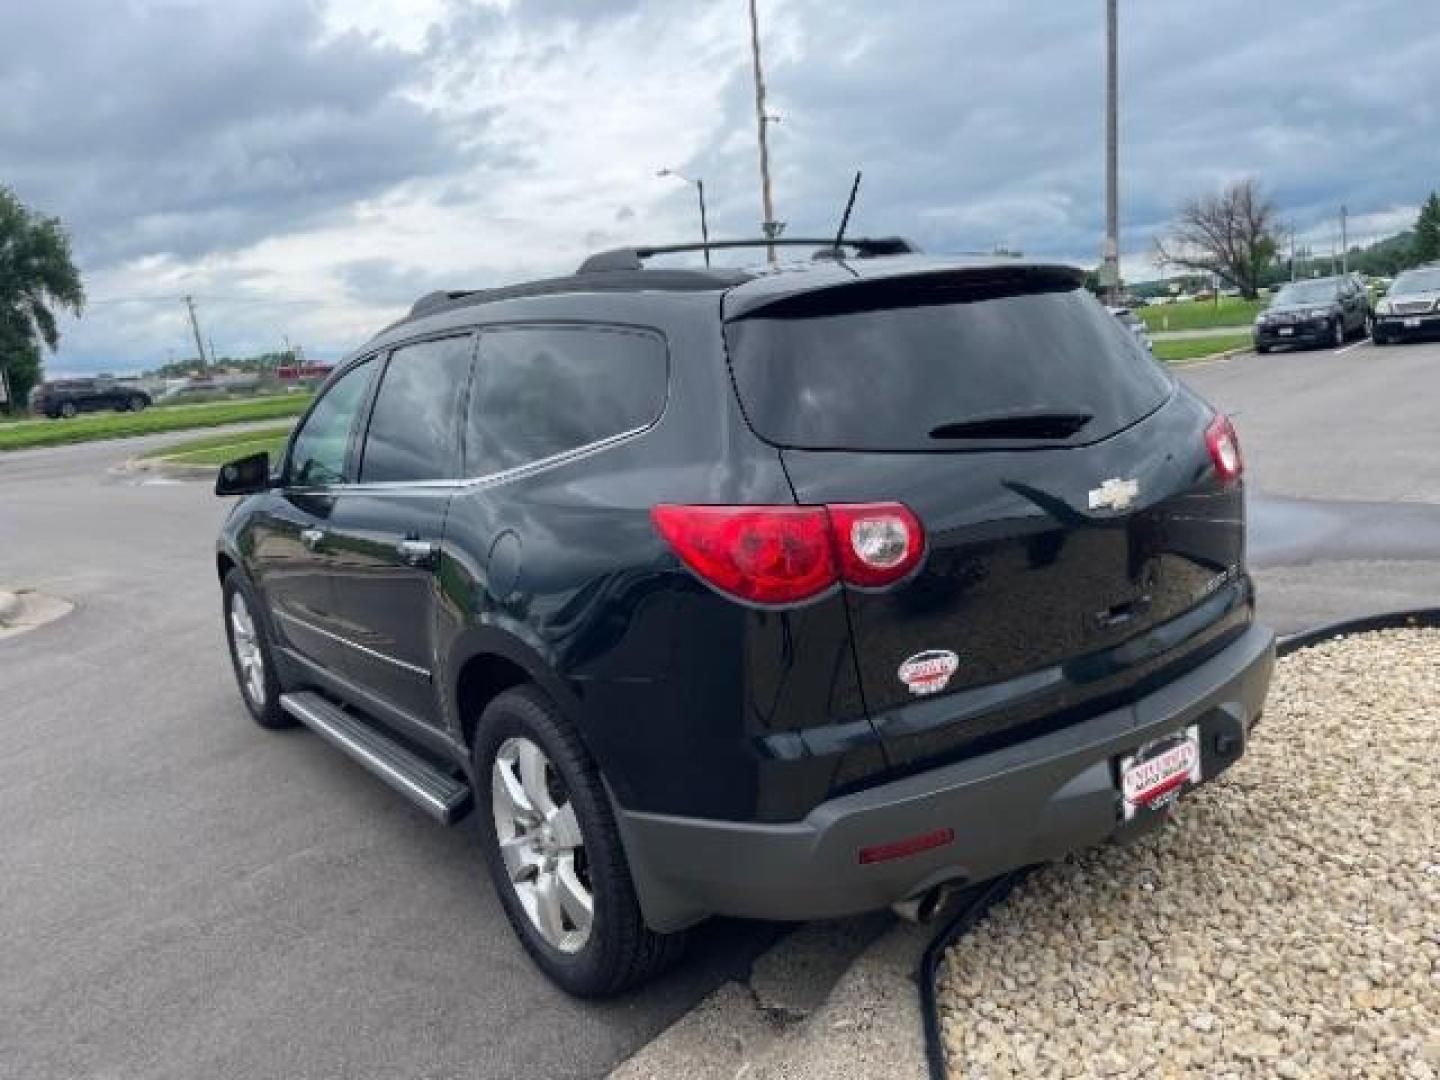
<point>244,476</point>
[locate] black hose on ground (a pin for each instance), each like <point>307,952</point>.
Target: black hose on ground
<point>983,897</point>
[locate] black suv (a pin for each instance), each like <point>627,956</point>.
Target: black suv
<point>1320,311</point>
<point>69,397</point>
<point>778,594</point>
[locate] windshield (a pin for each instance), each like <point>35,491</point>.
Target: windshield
<point>1305,292</point>
<point>1417,281</point>
<point>943,368</point>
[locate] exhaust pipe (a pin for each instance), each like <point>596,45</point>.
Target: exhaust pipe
<point>922,907</point>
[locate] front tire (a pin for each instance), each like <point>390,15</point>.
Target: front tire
<point>554,852</point>
<point>1262,349</point>
<point>1338,337</point>
<point>251,654</point>
<point>68,410</point>
<point>137,404</point>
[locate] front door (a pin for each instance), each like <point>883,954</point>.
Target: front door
<point>385,532</point>
<point>290,536</point>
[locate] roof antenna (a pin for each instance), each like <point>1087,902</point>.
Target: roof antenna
<point>845,218</point>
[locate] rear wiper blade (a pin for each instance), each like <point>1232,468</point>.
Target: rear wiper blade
<point>1036,425</point>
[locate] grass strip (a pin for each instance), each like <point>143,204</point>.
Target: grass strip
<point>92,426</point>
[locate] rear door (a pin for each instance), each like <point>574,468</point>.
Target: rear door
<point>385,532</point>
<point>1060,475</point>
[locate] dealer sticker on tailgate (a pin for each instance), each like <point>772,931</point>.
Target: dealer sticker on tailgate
<point>1154,775</point>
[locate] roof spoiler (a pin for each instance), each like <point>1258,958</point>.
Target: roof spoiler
<point>633,258</point>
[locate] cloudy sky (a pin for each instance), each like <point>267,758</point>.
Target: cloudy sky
<point>309,168</point>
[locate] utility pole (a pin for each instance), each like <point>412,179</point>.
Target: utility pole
<point>1344,240</point>
<point>762,120</point>
<point>195,326</point>
<point>1110,271</point>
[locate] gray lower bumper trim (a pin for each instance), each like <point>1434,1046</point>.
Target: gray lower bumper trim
<point>1023,804</point>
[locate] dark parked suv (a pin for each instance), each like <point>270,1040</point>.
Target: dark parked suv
<point>1320,311</point>
<point>783,594</point>
<point>69,397</point>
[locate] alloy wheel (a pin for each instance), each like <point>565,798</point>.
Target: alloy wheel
<point>541,844</point>
<point>247,650</point>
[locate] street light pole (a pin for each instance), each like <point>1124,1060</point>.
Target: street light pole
<point>699,185</point>
<point>762,121</point>
<point>1111,271</point>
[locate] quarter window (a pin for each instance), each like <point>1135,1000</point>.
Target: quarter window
<point>414,429</point>
<point>539,392</point>
<point>317,456</point>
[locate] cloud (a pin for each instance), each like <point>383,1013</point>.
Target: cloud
<point>357,153</point>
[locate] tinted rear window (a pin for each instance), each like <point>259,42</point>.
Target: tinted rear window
<point>543,391</point>
<point>887,367</point>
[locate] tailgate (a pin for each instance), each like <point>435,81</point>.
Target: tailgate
<point>1038,598</point>
<point>1077,536</point>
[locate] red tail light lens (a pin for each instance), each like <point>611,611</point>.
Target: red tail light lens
<point>767,555</point>
<point>1224,447</point>
<point>790,554</point>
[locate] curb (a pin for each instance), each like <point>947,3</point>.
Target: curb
<point>996,891</point>
<point>172,469</point>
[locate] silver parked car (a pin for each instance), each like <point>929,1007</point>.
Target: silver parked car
<point>1134,325</point>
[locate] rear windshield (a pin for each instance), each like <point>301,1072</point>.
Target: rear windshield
<point>942,366</point>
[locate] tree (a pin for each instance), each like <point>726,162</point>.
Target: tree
<point>1231,235</point>
<point>1426,246</point>
<point>37,278</point>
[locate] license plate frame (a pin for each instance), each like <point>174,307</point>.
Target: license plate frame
<point>1412,323</point>
<point>1151,777</point>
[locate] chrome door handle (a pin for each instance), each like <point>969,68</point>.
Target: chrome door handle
<point>312,538</point>
<point>417,552</point>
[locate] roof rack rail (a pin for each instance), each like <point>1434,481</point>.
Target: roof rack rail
<point>633,258</point>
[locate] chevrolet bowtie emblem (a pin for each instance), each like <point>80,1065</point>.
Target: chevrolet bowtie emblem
<point>1115,494</point>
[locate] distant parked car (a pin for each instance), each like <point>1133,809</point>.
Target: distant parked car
<point>1320,311</point>
<point>69,397</point>
<point>1411,308</point>
<point>1131,322</point>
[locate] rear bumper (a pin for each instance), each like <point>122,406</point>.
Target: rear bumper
<point>1023,804</point>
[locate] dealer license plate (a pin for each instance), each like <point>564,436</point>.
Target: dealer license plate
<point>1287,331</point>
<point>1154,776</point>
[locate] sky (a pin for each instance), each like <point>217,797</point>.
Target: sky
<point>307,169</point>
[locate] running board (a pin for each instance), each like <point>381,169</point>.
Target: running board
<point>439,794</point>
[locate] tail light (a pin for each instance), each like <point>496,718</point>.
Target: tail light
<point>1224,447</point>
<point>790,554</point>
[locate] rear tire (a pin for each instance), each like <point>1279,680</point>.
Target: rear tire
<point>68,410</point>
<point>251,654</point>
<point>137,404</point>
<point>1262,349</point>
<point>559,833</point>
<point>1338,337</point>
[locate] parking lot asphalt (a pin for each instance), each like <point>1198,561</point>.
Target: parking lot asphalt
<point>186,895</point>
<point>1342,451</point>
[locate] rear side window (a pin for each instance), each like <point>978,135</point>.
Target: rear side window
<point>414,429</point>
<point>941,364</point>
<point>542,391</point>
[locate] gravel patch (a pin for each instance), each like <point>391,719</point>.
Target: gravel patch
<point>1285,923</point>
